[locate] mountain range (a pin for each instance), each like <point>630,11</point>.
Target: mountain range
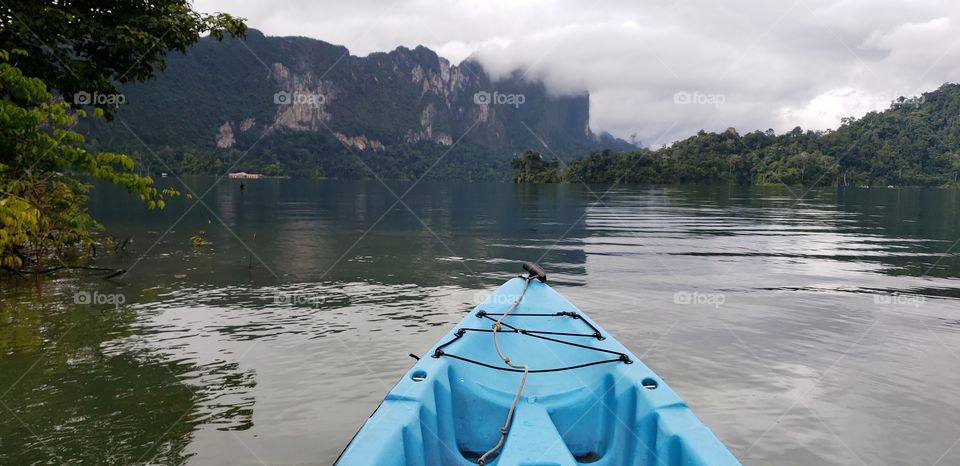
<point>298,106</point>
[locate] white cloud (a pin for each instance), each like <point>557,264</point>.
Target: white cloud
<point>824,110</point>
<point>776,64</point>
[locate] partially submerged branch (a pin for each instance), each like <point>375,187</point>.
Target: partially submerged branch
<point>114,272</point>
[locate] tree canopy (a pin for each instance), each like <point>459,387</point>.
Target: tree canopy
<point>51,51</point>
<point>91,46</point>
<point>915,142</point>
<point>530,167</point>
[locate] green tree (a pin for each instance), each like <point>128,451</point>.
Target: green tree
<point>42,209</point>
<point>530,167</point>
<point>49,51</point>
<point>915,142</point>
<point>90,46</point>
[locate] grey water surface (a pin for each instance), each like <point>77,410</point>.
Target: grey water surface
<point>803,327</point>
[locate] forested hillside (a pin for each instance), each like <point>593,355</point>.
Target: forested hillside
<point>914,142</point>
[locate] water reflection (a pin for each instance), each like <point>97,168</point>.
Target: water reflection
<point>274,342</point>
<point>283,230</point>
<point>831,331</point>
<point>72,395</point>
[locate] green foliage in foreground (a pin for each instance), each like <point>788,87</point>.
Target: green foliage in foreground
<point>916,142</point>
<point>53,53</point>
<point>42,209</point>
<point>89,47</point>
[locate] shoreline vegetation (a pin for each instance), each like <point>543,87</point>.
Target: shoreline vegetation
<point>915,142</point>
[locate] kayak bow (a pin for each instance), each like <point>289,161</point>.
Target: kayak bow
<point>528,379</point>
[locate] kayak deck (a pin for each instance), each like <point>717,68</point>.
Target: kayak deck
<point>587,399</point>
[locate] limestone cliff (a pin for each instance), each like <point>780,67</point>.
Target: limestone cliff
<point>230,95</point>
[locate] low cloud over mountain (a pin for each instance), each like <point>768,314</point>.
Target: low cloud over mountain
<point>663,70</point>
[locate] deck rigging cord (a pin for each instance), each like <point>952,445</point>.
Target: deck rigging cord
<point>506,360</point>
<point>620,357</point>
<point>534,272</point>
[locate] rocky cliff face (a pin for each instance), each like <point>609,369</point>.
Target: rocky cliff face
<point>228,94</point>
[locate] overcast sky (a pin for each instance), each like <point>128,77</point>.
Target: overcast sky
<point>663,69</point>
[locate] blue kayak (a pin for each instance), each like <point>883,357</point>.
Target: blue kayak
<point>528,379</point>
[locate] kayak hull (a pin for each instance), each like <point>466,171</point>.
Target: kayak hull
<point>587,400</point>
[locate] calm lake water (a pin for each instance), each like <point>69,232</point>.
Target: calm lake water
<point>816,331</point>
